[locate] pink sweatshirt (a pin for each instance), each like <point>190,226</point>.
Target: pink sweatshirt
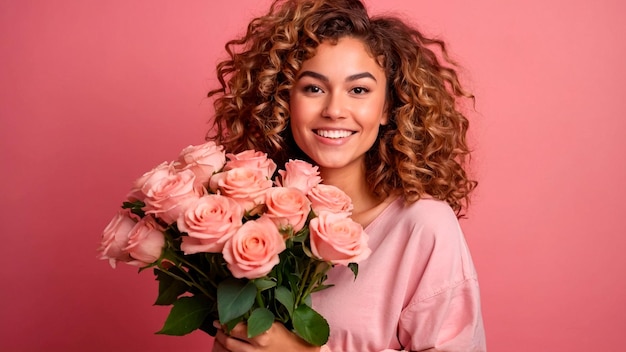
<point>417,290</point>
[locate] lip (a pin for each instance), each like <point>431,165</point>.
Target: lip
<point>333,136</point>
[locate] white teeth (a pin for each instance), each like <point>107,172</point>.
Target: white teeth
<point>333,133</point>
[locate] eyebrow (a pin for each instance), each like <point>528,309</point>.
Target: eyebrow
<point>323,78</point>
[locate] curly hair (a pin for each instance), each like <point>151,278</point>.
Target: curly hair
<point>423,149</point>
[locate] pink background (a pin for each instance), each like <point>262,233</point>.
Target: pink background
<point>94,93</point>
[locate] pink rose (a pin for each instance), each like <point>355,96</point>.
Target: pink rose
<point>115,237</point>
<point>336,238</point>
<point>149,178</point>
<point>209,222</point>
<point>246,186</point>
<point>251,159</point>
<point>168,197</point>
<point>299,174</point>
<point>253,250</point>
<point>146,242</point>
<point>203,160</point>
<point>330,198</point>
<point>287,207</point>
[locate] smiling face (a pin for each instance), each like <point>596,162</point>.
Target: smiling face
<point>337,104</point>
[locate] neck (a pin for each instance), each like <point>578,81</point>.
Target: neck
<point>353,182</point>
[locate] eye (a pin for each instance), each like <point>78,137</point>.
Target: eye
<point>360,90</point>
<point>311,88</point>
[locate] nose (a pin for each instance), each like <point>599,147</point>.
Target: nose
<point>335,107</point>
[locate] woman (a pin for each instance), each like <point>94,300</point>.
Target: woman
<point>370,103</point>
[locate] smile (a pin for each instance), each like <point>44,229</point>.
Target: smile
<point>333,134</point>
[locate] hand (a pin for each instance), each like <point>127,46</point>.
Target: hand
<point>277,338</point>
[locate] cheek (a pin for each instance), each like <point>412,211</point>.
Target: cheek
<point>298,119</point>
<point>373,113</point>
<point>297,112</point>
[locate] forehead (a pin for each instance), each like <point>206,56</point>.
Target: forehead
<point>346,55</point>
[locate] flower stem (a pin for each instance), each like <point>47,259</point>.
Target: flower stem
<point>259,299</point>
<point>191,266</point>
<point>320,270</point>
<point>304,282</point>
<point>189,283</point>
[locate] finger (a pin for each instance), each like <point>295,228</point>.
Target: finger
<point>218,342</point>
<point>217,325</point>
<point>233,343</point>
<point>240,331</point>
<point>217,347</point>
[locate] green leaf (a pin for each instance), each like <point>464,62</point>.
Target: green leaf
<point>307,251</point>
<point>294,281</point>
<point>285,297</point>
<point>355,268</point>
<point>259,322</point>
<point>321,287</point>
<point>301,236</point>
<point>264,284</point>
<point>234,299</point>
<point>135,207</point>
<point>135,204</point>
<point>186,315</point>
<point>169,288</point>
<point>310,325</point>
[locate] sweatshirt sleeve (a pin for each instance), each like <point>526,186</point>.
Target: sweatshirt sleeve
<point>444,311</point>
<point>448,321</point>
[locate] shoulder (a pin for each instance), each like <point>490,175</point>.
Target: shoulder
<point>431,211</point>
<point>430,229</point>
<point>425,215</point>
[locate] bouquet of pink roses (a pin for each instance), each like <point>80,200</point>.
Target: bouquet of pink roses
<point>229,243</point>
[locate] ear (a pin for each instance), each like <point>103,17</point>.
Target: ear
<point>385,118</point>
